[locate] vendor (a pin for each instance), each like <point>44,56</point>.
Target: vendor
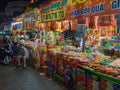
<point>76,43</point>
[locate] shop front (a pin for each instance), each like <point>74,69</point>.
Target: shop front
<point>77,42</point>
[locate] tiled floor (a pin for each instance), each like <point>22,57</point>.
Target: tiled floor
<point>12,78</point>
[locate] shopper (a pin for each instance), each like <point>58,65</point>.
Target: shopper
<point>16,52</point>
<point>24,56</point>
<point>8,40</point>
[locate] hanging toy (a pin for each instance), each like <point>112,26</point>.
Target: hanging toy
<point>88,51</point>
<point>88,30</point>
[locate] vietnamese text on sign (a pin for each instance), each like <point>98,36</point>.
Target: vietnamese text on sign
<point>55,5</point>
<point>55,15</point>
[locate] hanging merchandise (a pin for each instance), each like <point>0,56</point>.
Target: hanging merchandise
<point>73,23</point>
<point>83,20</point>
<point>92,31</point>
<point>91,22</point>
<point>65,25</point>
<point>103,31</point>
<point>96,19</point>
<point>50,38</point>
<point>105,20</point>
<point>107,25</point>
<point>49,26</point>
<point>41,26</point>
<point>29,20</point>
<point>58,27</point>
<point>88,30</point>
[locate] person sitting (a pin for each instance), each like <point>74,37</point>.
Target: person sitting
<point>24,55</point>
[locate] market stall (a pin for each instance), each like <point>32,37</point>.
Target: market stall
<point>76,41</point>
<point>92,43</point>
<point>89,79</point>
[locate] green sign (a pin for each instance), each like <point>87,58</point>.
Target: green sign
<point>55,15</point>
<point>55,5</point>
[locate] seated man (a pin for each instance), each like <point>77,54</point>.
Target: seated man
<point>24,55</point>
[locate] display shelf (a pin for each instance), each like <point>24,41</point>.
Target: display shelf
<point>107,77</point>
<point>94,80</point>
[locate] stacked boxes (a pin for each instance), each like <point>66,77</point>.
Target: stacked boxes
<point>95,81</point>
<point>109,85</point>
<point>81,79</point>
<point>102,84</point>
<point>92,81</point>
<point>116,86</point>
<point>89,81</point>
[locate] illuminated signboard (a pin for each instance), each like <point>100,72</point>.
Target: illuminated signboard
<point>55,15</point>
<point>55,5</point>
<point>95,7</point>
<point>75,9</point>
<point>74,2</point>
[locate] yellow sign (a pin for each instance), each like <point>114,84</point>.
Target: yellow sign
<point>54,15</point>
<point>74,2</point>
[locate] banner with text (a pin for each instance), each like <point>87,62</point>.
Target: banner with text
<point>93,7</point>
<point>55,10</point>
<point>70,9</point>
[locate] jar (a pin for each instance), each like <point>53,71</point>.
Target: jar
<point>111,52</point>
<point>106,51</point>
<point>116,52</point>
<point>119,53</point>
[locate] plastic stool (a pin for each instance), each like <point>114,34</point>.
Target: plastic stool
<point>45,69</point>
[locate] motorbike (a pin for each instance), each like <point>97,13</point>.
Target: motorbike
<point>5,56</point>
